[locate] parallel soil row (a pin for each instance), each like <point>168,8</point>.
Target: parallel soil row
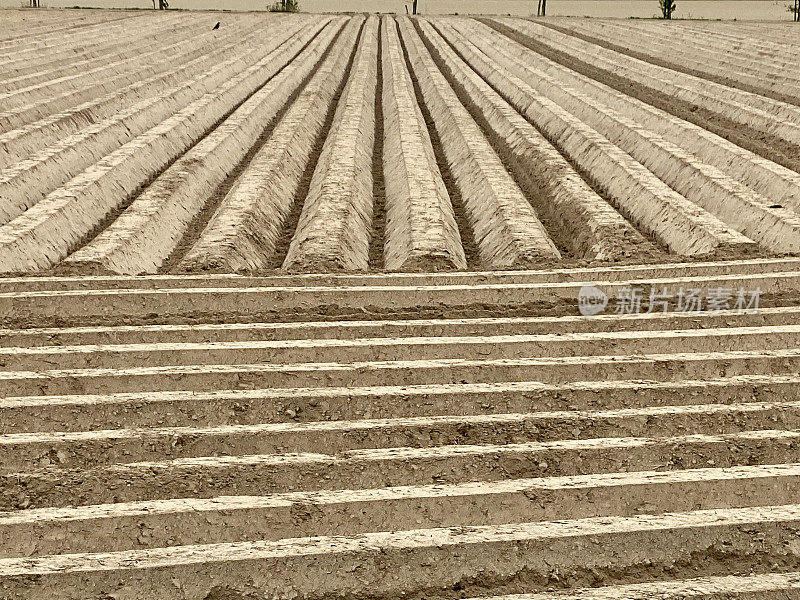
<point>262,451</point>
<point>280,143</point>
<point>259,416</point>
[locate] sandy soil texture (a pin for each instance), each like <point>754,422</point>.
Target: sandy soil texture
<point>313,143</point>
<point>442,435</point>
<point>301,312</point>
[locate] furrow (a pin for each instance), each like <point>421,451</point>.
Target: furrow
<point>255,474</point>
<point>43,32</point>
<point>507,230</point>
<point>635,191</point>
<point>275,302</point>
<point>26,182</point>
<point>21,143</point>
<point>245,351</point>
<point>243,233</point>
<point>768,76</point>
<point>421,231</point>
<point>178,522</point>
<point>775,227</point>
<point>763,114</point>
<point>702,271</point>
<point>46,233</point>
<point>73,89</point>
<point>582,222</point>
<point>148,231</point>
<point>27,452</point>
<point>714,128</point>
<point>476,326</point>
<point>495,347</point>
<point>31,60</point>
<point>414,561</point>
<point>560,369</point>
<point>763,176</point>
<point>333,231</point>
<point>19,85</point>
<point>303,405</point>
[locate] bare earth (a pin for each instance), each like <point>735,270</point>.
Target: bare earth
<point>289,308</point>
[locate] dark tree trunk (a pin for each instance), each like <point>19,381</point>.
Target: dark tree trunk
<point>414,8</point>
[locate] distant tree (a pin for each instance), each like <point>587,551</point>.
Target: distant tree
<point>290,6</point>
<point>35,3</point>
<point>667,8</point>
<point>162,4</point>
<point>541,10</point>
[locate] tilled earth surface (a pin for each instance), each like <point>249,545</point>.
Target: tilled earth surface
<point>467,435</point>
<point>382,307</point>
<point>322,143</point>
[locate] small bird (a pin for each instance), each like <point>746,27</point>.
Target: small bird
<point>216,26</point>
